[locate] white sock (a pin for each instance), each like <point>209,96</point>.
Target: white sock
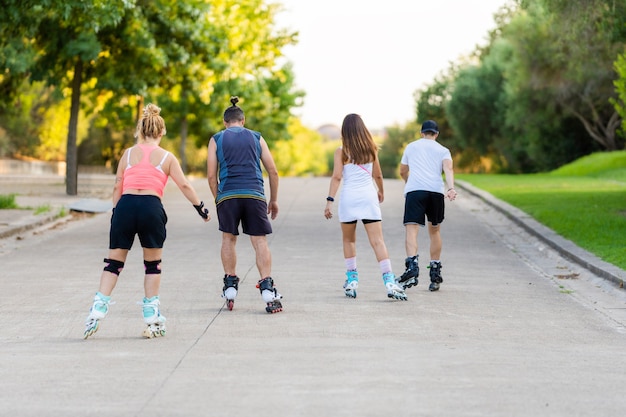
<point>351,263</point>
<point>385,266</point>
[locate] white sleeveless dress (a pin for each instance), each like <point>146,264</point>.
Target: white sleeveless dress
<point>359,198</point>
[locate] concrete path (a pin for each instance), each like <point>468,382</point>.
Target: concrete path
<point>516,330</point>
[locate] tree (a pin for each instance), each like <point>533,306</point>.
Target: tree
<point>431,103</point>
<point>302,154</point>
<point>392,147</point>
<point>570,55</point>
<point>68,45</point>
<point>190,56</point>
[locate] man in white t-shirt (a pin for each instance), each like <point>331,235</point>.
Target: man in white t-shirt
<point>422,164</point>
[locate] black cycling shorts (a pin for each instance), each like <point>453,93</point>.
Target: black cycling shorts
<point>141,215</point>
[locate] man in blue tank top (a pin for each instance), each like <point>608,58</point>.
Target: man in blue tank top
<point>234,160</point>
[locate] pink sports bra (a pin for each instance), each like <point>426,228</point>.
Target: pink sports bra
<point>144,175</point>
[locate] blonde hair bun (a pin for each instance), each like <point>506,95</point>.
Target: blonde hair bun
<point>151,110</point>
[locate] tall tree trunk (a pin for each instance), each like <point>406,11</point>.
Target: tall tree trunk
<point>184,126</point>
<point>71,157</point>
<point>139,111</point>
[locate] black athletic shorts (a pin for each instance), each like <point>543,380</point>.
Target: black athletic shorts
<point>365,221</point>
<point>251,213</point>
<point>419,205</point>
<point>141,215</point>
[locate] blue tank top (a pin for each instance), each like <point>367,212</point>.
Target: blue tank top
<point>239,159</point>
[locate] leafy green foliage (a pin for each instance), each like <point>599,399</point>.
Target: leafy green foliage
<point>547,89</point>
<point>187,56</point>
<point>393,145</point>
<point>303,154</point>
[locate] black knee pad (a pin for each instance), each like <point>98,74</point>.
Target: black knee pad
<point>231,281</point>
<point>113,266</point>
<point>266,284</point>
<point>152,267</point>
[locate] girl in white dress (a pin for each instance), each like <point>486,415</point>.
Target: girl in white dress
<point>356,162</point>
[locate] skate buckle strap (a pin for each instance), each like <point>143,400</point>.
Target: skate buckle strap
<point>231,281</point>
<point>352,276</point>
<point>265,284</point>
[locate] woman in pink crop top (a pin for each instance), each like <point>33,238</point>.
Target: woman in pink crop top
<point>142,174</point>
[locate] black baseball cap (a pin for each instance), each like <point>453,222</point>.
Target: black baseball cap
<point>430,126</point>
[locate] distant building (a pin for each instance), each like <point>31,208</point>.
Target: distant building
<point>330,131</point>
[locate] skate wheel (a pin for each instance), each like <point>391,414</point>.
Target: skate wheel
<point>91,330</point>
<point>230,304</point>
<point>274,307</point>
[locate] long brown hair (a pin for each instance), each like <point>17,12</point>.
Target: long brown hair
<point>358,146</point>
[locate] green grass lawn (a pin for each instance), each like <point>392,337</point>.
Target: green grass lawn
<point>584,202</point>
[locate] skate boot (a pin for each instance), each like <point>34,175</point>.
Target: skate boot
<point>153,318</point>
<point>98,311</point>
<point>270,295</point>
<point>409,278</point>
<point>435,276</point>
<point>229,292</point>
<point>393,289</point>
<point>352,283</point>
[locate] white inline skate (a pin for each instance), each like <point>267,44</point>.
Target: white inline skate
<point>351,284</point>
<point>393,289</point>
<point>98,311</point>
<point>152,317</point>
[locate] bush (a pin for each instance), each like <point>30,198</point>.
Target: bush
<point>8,201</point>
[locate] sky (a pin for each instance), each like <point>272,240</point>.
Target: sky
<point>369,57</point>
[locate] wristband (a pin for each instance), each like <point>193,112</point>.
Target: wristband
<point>329,198</point>
<point>451,189</point>
<point>203,212</point>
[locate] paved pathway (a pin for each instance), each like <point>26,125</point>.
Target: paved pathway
<point>516,330</point>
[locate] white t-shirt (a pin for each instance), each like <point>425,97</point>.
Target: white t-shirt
<point>425,160</point>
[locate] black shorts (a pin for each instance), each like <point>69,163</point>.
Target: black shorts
<point>365,221</point>
<point>419,205</point>
<point>250,212</point>
<point>141,215</point>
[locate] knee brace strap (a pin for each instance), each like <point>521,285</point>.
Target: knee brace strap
<point>152,267</point>
<point>266,284</point>
<point>113,266</point>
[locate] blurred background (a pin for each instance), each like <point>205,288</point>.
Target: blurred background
<point>517,86</point>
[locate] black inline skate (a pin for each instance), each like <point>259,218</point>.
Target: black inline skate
<point>409,278</point>
<point>435,276</point>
